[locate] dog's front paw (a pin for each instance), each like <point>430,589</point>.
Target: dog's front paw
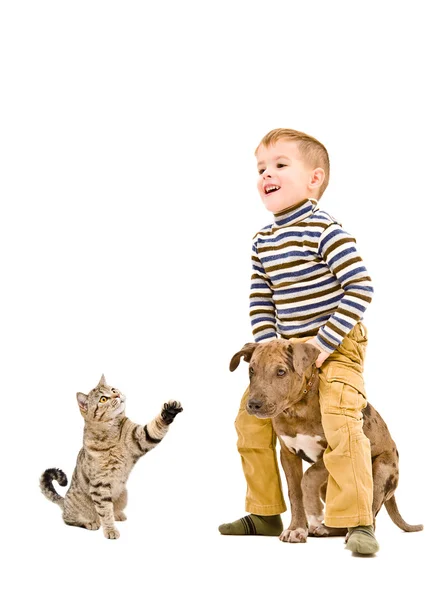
<point>323,531</point>
<point>170,410</point>
<point>294,536</point>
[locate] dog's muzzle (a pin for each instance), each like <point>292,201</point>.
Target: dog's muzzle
<point>259,409</point>
<point>254,406</point>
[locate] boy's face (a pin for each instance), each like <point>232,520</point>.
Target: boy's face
<point>281,169</point>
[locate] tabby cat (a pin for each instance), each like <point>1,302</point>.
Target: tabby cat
<point>112,445</point>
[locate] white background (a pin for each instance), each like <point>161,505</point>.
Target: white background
<point>128,206</point>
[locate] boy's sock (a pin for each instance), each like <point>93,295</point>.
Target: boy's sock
<point>253,525</point>
<point>362,540</point>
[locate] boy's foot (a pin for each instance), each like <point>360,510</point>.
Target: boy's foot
<point>362,540</point>
<point>253,525</point>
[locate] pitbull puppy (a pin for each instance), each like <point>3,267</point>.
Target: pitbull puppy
<point>284,388</point>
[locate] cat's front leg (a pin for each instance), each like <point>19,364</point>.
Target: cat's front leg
<point>119,505</point>
<point>102,500</point>
<point>146,437</point>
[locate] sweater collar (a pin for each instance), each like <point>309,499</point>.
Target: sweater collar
<point>297,212</point>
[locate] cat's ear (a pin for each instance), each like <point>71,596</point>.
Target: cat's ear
<point>102,381</point>
<point>82,401</point>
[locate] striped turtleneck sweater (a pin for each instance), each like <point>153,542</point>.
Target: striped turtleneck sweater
<point>308,279</point>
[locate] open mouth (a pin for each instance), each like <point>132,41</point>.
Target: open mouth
<point>271,189</point>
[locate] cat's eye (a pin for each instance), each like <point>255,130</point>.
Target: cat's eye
<point>103,399</point>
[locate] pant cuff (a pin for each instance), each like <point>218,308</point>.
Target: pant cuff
<point>353,521</point>
<point>265,510</point>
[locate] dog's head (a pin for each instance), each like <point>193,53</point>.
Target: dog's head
<point>277,374</point>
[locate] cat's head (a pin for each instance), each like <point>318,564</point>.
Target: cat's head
<point>103,403</point>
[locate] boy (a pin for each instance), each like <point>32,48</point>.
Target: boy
<point>309,283</point>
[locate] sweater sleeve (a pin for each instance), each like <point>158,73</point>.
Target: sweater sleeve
<point>338,250</point>
<point>262,308</point>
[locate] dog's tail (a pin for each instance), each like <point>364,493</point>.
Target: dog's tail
<point>47,488</point>
<point>394,513</point>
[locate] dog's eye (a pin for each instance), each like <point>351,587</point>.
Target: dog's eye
<point>251,371</point>
<point>280,372</point>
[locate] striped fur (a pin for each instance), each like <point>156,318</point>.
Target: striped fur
<point>112,445</point>
<point>308,278</point>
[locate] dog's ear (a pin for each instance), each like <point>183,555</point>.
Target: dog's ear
<point>304,355</point>
<point>246,352</point>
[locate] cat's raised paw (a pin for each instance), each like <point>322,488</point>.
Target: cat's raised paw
<point>170,410</point>
<point>111,534</point>
<point>120,516</point>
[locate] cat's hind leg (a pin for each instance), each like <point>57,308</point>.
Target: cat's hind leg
<point>79,511</point>
<point>92,525</point>
<point>119,505</point>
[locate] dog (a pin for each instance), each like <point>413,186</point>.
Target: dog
<point>284,388</point>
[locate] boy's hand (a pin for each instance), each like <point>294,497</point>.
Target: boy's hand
<point>322,356</point>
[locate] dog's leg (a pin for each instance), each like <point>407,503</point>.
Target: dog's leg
<point>323,490</point>
<point>385,471</point>
<point>293,468</point>
<point>314,479</point>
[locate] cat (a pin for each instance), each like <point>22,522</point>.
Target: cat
<point>112,445</point>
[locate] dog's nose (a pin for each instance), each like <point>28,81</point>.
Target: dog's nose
<point>254,404</point>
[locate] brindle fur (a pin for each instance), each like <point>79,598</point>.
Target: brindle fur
<point>112,445</point>
<point>282,398</point>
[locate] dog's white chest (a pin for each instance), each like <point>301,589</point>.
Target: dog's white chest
<point>306,446</point>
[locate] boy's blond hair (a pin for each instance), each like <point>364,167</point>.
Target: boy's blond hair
<point>311,150</point>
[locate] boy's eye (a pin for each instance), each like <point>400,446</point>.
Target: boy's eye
<point>279,166</point>
<point>103,399</point>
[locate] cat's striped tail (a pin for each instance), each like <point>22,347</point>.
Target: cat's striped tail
<point>47,488</point>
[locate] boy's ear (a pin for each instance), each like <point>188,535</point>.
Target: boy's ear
<point>318,177</point>
<point>304,355</point>
<point>246,353</point>
<point>82,401</point>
